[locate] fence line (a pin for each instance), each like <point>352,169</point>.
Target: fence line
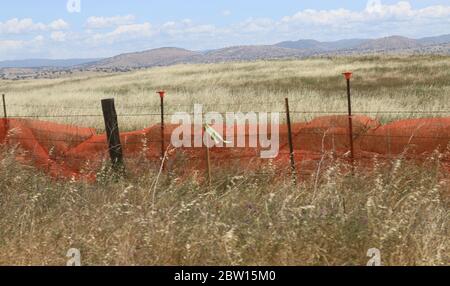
<point>298,133</point>
<point>156,114</point>
<point>156,106</point>
<point>293,136</point>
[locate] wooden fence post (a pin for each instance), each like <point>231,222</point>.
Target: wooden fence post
<point>291,145</point>
<point>113,135</point>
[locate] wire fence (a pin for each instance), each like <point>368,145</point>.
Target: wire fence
<point>159,114</point>
<point>363,112</point>
<point>189,107</point>
<point>299,136</point>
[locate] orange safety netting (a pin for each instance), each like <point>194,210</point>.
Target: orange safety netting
<point>65,151</point>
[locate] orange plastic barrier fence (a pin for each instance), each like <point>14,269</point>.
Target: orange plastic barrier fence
<point>65,151</point>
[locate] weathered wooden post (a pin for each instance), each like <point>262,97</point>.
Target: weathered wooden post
<point>113,135</point>
<point>348,76</point>
<point>291,145</point>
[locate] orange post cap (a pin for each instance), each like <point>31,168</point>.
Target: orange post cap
<point>161,93</point>
<point>348,75</point>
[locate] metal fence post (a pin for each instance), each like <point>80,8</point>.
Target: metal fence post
<point>163,147</point>
<point>291,145</point>
<point>348,76</point>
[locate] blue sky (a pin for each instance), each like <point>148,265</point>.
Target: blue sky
<point>100,28</point>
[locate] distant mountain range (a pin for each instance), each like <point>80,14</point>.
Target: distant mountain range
<point>292,49</point>
<point>289,49</point>
<point>170,56</point>
<point>393,43</point>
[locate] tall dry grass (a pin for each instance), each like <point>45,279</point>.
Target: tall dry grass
<point>246,218</point>
<point>330,218</point>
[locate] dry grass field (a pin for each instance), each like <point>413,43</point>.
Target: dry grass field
<point>245,218</point>
<point>381,84</point>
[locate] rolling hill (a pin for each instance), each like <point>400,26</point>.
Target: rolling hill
<point>155,57</point>
<point>246,53</point>
<point>170,56</point>
<point>392,43</point>
<point>317,46</point>
<point>289,49</point>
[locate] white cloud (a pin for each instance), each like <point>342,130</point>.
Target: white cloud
<point>58,36</point>
<point>38,39</point>
<point>185,28</point>
<point>19,48</point>
<point>27,25</point>
<point>108,22</point>
<point>59,24</point>
<point>16,26</point>
<point>201,29</point>
<point>375,20</point>
<point>7,45</point>
<point>123,32</point>
<point>253,25</point>
<point>374,11</point>
<point>144,29</point>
